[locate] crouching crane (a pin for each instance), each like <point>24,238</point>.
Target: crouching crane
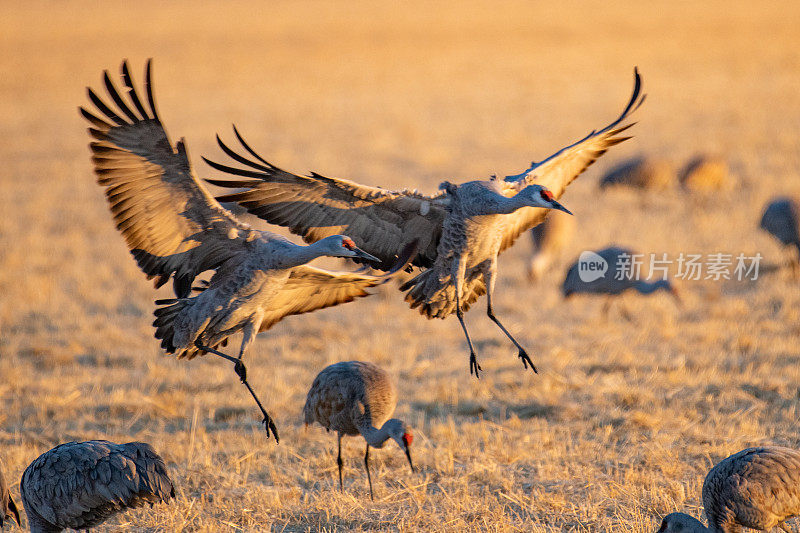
<point>79,485</point>
<point>757,488</point>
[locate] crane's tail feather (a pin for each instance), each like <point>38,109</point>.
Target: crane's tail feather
<point>434,297</point>
<point>172,339</point>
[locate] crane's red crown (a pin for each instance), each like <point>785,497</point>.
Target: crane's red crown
<point>408,438</point>
<point>348,243</point>
<point>547,195</point>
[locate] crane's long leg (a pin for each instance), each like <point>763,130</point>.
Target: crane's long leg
<point>369,478</point>
<point>457,273</point>
<point>522,353</point>
<point>241,371</point>
<point>473,361</point>
<point>339,462</point>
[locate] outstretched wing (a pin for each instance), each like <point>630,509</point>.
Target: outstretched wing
<point>170,222</point>
<point>381,222</point>
<point>309,288</point>
<point>561,168</point>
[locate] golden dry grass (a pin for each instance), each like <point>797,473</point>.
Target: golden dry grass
<point>624,419</point>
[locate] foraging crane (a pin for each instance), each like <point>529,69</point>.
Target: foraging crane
<point>352,398</point>
<point>781,219</point>
<point>640,173</point>
<point>615,280</point>
<point>548,240</point>
<point>174,228</point>
<point>757,488</point>
<point>8,508</point>
<point>460,231</point>
<point>79,485</point>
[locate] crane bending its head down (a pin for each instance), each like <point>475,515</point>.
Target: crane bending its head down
<point>757,488</point>
<point>357,398</point>
<point>400,432</point>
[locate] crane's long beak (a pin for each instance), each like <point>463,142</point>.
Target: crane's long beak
<point>560,207</point>
<point>408,454</point>
<point>364,255</point>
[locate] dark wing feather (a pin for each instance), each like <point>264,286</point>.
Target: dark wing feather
<point>171,224</point>
<point>561,168</point>
<point>381,222</point>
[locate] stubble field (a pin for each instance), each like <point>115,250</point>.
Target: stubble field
<point>624,418</point>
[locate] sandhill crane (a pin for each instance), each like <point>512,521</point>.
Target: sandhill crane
<point>173,227</point>
<point>615,280</point>
<point>781,219</point>
<point>757,488</point>
<point>705,173</point>
<point>460,231</point>
<point>641,173</point>
<point>79,485</point>
<point>8,508</point>
<point>548,240</point>
<point>355,397</point>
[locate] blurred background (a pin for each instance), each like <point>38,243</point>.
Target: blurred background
<point>407,95</point>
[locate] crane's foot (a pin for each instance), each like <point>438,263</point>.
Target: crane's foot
<point>474,367</point>
<point>269,425</point>
<point>527,360</point>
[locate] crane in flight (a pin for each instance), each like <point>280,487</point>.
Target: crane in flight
<point>460,231</point>
<point>175,229</point>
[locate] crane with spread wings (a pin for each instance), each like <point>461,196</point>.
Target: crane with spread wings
<point>176,230</point>
<point>460,231</point>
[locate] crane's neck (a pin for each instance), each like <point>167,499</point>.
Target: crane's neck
<point>375,437</point>
<point>300,255</point>
<point>687,524</point>
<point>503,205</point>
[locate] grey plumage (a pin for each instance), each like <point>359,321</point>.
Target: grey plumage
<point>548,240</point>
<point>175,228</point>
<point>79,485</point>
<point>618,261</point>
<point>8,508</point>
<point>640,173</point>
<point>757,488</point>
<point>460,231</point>
<point>357,398</point>
<point>616,257</point>
<point>781,219</point>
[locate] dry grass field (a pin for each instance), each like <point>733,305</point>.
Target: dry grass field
<point>623,420</point>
